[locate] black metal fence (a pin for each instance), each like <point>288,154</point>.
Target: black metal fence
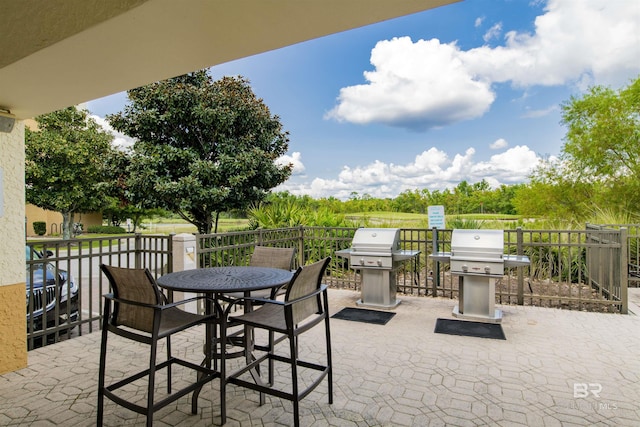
<point>573,269</point>
<point>633,249</point>
<point>65,285</point>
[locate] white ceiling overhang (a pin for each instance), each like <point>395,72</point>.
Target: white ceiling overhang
<point>57,53</point>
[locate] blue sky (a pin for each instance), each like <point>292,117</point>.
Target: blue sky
<point>467,91</point>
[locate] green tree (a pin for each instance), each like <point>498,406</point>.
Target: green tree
<point>203,147</point>
<point>66,164</point>
<point>553,194</point>
<point>603,143</point>
<point>599,165</point>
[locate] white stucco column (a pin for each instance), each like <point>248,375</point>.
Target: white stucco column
<point>184,258</point>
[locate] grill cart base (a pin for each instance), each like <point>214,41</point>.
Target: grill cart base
<point>378,289</point>
<point>477,300</point>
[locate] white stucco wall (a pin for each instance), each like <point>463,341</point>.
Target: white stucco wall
<point>12,213</point>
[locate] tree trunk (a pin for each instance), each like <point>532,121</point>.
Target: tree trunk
<point>217,217</point>
<point>66,225</point>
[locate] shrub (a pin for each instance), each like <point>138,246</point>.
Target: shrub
<point>40,228</point>
<point>106,229</point>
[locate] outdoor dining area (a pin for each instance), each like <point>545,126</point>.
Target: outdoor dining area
<point>554,367</point>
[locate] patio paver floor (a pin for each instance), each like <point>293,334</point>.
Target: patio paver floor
<point>547,373</point>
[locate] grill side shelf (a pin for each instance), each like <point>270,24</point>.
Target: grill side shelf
<point>441,256</point>
<point>516,261</point>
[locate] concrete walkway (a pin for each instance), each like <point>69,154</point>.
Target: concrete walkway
<point>556,368</point>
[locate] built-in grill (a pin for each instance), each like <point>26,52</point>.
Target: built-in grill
<point>477,252</point>
<point>477,257</point>
<point>376,253</point>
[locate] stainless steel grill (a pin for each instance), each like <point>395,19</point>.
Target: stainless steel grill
<point>376,253</point>
<point>477,257</point>
<point>477,252</point>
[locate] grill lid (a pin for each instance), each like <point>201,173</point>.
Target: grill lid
<point>382,241</point>
<point>487,244</point>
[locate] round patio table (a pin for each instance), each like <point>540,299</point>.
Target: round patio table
<point>219,280</point>
<point>214,281</point>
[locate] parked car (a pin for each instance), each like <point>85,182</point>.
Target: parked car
<point>42,295</point>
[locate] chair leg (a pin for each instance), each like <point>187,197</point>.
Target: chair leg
<point>293,349</point>
<point>152,382</point>
<point>169,367</point>
<point>223,371</point>
<point>103,364</point>
<point>271,361</point>
<point>329,361</point>
<point>327,329</point>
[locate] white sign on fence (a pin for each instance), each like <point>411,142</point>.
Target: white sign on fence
<point>436,216</point>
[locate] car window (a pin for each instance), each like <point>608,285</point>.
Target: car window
<point>31,254</point>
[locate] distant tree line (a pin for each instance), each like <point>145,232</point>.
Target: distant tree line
<point>465,198</point>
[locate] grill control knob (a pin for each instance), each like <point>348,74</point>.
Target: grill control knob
<point>379,263</point>
<point>487,269</point>
<point>361,261</point>
<point>465,267</point>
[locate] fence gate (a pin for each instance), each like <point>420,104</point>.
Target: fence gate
<point>607,264</point>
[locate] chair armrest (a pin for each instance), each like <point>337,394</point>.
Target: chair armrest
<point>315,293</point>
<point>256,300</point>
<point>110,297</point>
<point>188,300</point>
<point>156,306</point>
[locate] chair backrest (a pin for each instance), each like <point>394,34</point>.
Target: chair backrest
<point>306,280</point>
<point>266,256</point>
<point>133,284</point>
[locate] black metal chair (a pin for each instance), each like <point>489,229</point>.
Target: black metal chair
<point>139,311</point>
<point>262,256</point>
<point>305,305</point>
<point>267,256</point>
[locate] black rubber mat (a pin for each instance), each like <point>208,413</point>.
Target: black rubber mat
<point>469,329</point>
<point>364,315</point>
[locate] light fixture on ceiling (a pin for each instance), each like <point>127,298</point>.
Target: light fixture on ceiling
<point>7,120</point>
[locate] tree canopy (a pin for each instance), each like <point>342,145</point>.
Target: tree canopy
<point>603,141</point>
<point>203,146</point>
<point>599,165</point>
<point>66,164</point>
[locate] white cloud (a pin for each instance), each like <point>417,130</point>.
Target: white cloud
<point>493,32</point>
<point>295,159</point>
<point>432,169</point>
<point>499,144</point>
<point>426,84</point>
<point>120,140</point>
<point>417,85</point>
<point>479,21</point>
<point>534,114</point>
<point>590,41</point>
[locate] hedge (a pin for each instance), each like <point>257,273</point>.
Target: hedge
<point>40,227</point>
<point>106,229</point>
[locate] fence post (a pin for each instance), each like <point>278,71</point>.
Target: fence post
<point>435,283</point>
<point>137,261</point>
<point>184,251</point>
<point>624,271</point>
<point>520,251</point>
<point>301,246</point>
<point>184,258</point>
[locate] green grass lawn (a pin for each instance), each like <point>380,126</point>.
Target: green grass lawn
<point>177,226</point>
<point>413,220</point>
